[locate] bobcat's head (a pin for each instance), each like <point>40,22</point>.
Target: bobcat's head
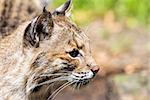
<point>63,54</point>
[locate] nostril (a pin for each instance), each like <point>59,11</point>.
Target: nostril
<point>95,69</point>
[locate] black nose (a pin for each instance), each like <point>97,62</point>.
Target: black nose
<point>95,69</point>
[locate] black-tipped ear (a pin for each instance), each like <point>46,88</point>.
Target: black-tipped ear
<point>39,29</point>
<point>44,10</point>
<point>63,9</point>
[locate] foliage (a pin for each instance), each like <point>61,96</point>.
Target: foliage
<point>137,10</point>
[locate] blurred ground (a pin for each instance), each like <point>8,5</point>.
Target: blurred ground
<point>123,53</point>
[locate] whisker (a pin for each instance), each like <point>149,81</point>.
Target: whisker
<point>48,82</point>
<point>57,91</point>
<point>57,74</point>
<point>78,85</point>
<point>62,86</point>
<point>74,87</point>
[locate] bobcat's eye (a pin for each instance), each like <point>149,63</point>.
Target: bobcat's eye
<point>74,53</point>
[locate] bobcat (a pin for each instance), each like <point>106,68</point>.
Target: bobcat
<point>43,56</point>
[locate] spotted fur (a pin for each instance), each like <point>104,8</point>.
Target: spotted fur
<point>43,56</point>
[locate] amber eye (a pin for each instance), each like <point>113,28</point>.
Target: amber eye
<point>74,53</point>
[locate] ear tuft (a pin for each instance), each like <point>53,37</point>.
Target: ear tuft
<point>63,9</point>
<point>44,10</point>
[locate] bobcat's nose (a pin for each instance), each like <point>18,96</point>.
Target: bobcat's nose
<point>95,69</point>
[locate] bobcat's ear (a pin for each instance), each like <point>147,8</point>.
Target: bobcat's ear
<point>63,9</point>
<point>39,29</point>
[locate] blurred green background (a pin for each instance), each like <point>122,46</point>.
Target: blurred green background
<point>130,11</point>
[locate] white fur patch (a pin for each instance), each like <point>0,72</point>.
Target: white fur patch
<point>81,76</point>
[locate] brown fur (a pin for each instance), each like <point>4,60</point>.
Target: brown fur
<point>22,64</point>
<point>15,12</point>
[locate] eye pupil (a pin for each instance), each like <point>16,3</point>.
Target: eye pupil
<point>74,53</point>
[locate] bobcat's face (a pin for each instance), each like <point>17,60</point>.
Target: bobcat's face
<point>65,54</point>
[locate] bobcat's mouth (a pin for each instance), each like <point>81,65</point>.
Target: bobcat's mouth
<point>82,75</point>
<point>80,83</point>
<point>80,79</point>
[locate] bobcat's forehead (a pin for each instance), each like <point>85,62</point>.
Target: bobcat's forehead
<point>65,22</point>
<point>69,34</point>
